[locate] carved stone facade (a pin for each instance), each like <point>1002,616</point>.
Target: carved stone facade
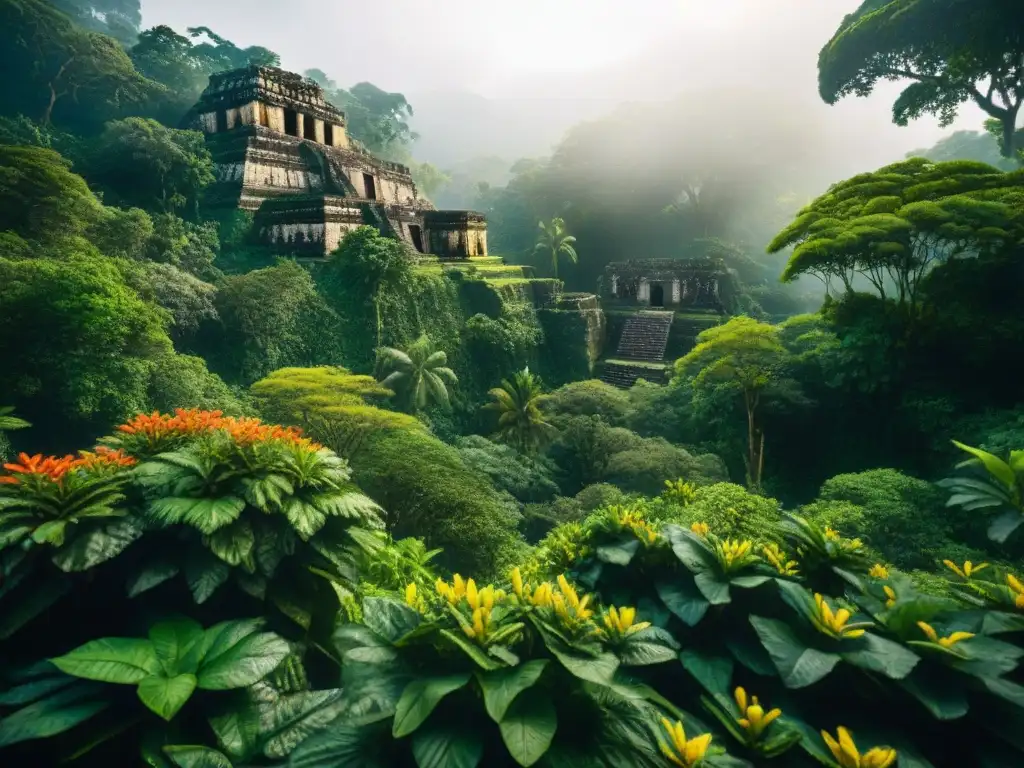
<point>671,283</point>
<point>281,150</point>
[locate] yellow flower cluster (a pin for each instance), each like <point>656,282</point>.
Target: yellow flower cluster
<point>890,595</point>
<point>945,642</point>
<point>845,752</point>
<point>777,557</point>
<point>1017,588</point>
<point>968,569</point>
<point>570,608</point>
<point>733,554</point>
<point>701,529</point>
<point>753,719</point>
<point>835,624</point>
<point>413,598</point>
<point>618,622</point>
<point>879,571</point>
<point>831,534</point>
<point>628,518</point>
<point>480,602</point>
<point>680,751</point>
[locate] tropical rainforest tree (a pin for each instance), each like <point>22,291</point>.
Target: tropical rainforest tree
<point>891,227</point>
<point>745,355</point>
<point>420,375</point>
<point>952,51</point>
<point>555,241</point>
<point>521,422</point>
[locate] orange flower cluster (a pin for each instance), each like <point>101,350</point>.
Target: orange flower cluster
<point>56,467</point>
<point>243,431</point>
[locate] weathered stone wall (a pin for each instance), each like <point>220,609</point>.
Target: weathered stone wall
<point>455,234</point>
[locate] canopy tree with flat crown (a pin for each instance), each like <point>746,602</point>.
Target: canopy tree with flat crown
<point>952,51</point>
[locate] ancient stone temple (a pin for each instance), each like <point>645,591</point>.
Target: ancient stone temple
<point>698,284</point>
<point>282,151</point>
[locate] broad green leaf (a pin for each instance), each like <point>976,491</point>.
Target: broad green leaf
<point>151,576</point>
<point>1005,689</point>
<point>684,600</point>
<point>196,757</point>
<point>389,618</point>
<point>243,663</point>
<point>943,698</point>
<point>291,719</point>
<point>749,582</point>
<point>52,715</point>
<point>690,551</point>
<point>472,650</point>
<point>648,646</point>
<point>92,547</point>
<point>599,669</point>
<point>419,699</point>
<point>798,665</point>
<point>166,695</point>
<point>447,747</point>
<point>112,660</point>
<point>528,727</point>
<point>29,601</point>
<point>233,543</point>
<point>206,515</point>
<point>237,728</point>
<point>713,586</point>
<point>173,642</point>
<point>1001,528</point>
<point>371,655</point>
<point>36,689</point>
<point>205,574</point>
<point>881,655</point>
<point>618,554</point>
<point>995,466</point>
<point>346,745</point>
<point>714,673</point>
<point>501,686</point>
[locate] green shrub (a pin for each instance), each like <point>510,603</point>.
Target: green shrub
<point>732,511</point>
<point>525,478</point>
<point>589,398</point>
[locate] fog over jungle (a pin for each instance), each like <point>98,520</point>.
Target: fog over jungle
<point>722,78</point>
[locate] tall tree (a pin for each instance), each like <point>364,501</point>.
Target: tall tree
<point>749,357</point>
<point>521,421</point>
<point>377,118</point>
<point>420,375</point>
<point>59,62</point>
<point>952,51</point>
<point>555,241</point>
<point>891,227</point>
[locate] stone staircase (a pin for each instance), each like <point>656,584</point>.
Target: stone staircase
<point>641,351</point>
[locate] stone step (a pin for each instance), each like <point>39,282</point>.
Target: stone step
<point>623,375</point>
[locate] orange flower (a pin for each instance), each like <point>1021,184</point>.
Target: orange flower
<point>102,458</point>
<point>52,467</point>
<point>244,430</point>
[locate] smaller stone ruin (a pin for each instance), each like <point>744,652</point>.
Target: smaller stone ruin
<point>679,284</point>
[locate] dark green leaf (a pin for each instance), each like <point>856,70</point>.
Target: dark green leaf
<point>207,515</point>
<point>166,695</point>
<point>1001,528</point>
<point>684,600</point>
<point>196,757</point>
<point>599,669</point>
<point>237,728</point>
<point>690,550</point>
<point>289,720</point>
<point>618,554</point>
<point>648,646</point>
<point>152,576</point>
<point>447,747</point>
<point>714,673</point>
<point>749,582</point>
<point>529,726</point>
<point>112,660</point>
<point>233,543</point>
<point>713,586</point>
<point>235,662</point>
<point>880,655</point>
<point>52,715</point>
<point>173,642</point>
<point>942,697</point>
<point>501,686</point>
<point>30,600</point>
<point>798,665</point>
<point>419,699</point>
<point>345,745</point>
<point>472,650</point>
<point>92,547</point>
<point>29,692</point>
<point>205,574</point>
<point>389,618</point>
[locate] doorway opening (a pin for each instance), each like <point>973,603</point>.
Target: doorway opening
<point>329,134</point>
<point>222,120</point>
<point>657,296</point>
<point>369,186</point>
<point>264,116</point>
<point>309,127</point>
<point>417,237</point>
<point>291,122</point>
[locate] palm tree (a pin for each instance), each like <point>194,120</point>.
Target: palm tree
<point>417,375</point>
<point>556,241</point>
<point>8,422</point>
<point>521,423</point>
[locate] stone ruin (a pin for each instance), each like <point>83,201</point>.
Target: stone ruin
<point>282,151</point>
<point>698,284</point>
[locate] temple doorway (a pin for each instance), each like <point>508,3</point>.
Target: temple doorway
<point>657,296</point>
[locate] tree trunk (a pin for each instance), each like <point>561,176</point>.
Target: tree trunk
<point>53,92</point>
<point>755,443</point>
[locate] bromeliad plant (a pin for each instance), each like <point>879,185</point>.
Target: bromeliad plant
<point>991,483</point>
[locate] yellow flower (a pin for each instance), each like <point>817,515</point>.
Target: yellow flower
<point>517,582</point>
<point>680,751</point>
<point>701,529</point>
<point>478,631</point>
<point>733,552</point>
<point>968,569</point>
<point>879,571</point>
<point>453,592</point>
<point>835,624</point>
<point>1018,589</point>
<point>619,622</point>
<point>945,642</point>
<point>753,718</point>
<point>410,595</point>
<point>891,594</point>
<point>845,752</point>
<point>777,557</point>
<point>542,595</point>
<point>831,534</point>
